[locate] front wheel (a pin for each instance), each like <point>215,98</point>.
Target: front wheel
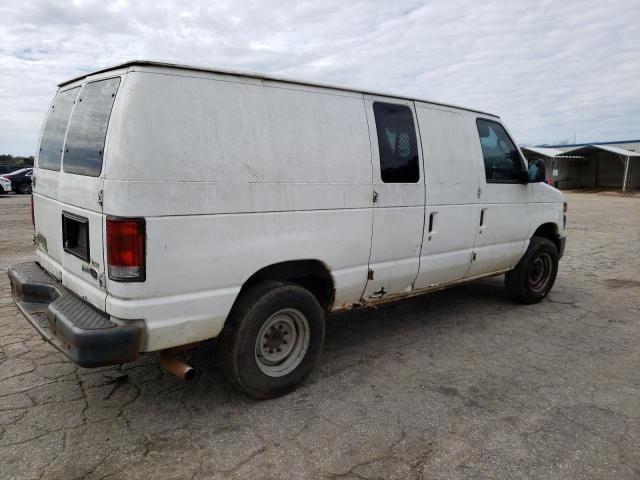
<point>272,339</point>
<point>535,274</point>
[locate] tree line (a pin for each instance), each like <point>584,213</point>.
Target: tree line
<point>7,159</point>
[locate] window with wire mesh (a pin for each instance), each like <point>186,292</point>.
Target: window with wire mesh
<point>397,143</point>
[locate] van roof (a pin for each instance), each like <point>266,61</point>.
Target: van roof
<point>149,63</point>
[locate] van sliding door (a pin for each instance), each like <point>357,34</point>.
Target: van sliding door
<point>397,196</point>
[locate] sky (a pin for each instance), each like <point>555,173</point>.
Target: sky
<point>554,71</point>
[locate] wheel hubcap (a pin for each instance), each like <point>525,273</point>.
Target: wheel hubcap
<point>540,272</point>
<point>282,342</point>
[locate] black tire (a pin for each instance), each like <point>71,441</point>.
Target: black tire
<point>24,188</point>
<point>535,274</point>
<point>239,352</point>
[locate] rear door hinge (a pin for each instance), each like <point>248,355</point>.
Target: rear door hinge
<point>100,195</point>
<point>375,196</point>
<point>370,275</point>
<point>473,256</point>
<point>479,191</point>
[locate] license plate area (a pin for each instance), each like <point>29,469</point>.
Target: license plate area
<point>75,235</point>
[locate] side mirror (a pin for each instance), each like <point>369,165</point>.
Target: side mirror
<point>537,171</point>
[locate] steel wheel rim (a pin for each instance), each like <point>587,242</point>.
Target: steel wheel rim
<point>282,342</point>
<point>540,272</point>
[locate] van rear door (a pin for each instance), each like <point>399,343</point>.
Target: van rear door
<point>68,197</point>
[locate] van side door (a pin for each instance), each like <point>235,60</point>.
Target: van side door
<point>503,225</point>
<point>397,196</point>
<point>452,177</point>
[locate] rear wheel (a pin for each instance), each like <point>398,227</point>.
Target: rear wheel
<point>24,188</point>
<point>535,274</point>
<point>272,339</point>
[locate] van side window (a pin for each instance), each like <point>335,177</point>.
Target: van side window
<point>55,128</point>
<point>502,161</point>
<point>397,143</point>
<point>84,147</point>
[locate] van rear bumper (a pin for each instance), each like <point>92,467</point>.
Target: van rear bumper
<point>84,334</point>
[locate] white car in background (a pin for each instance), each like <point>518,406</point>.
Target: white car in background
<point>5,185</point>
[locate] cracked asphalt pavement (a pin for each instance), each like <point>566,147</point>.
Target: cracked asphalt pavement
<point>456,384</point>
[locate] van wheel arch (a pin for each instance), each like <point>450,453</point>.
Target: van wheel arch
<point>550,232</point>
<point>311,274</point>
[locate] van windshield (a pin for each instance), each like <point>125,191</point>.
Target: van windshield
<point>54,129</point>
<point>84,147</point>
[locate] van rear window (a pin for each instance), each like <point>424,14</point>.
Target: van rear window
<point>54,129</point>
<point>84,148</point>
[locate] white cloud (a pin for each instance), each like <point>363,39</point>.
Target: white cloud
<point>548,68</point>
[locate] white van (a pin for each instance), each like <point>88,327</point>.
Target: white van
<point>175,204</point>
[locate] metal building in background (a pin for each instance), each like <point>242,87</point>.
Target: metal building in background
<point>591,165</point>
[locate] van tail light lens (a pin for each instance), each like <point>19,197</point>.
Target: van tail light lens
<point>126,238</point>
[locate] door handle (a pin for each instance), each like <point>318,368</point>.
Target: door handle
<point>432,217</point>
<point>482,218</point>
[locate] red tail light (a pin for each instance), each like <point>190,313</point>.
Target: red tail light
<point>126,249</point>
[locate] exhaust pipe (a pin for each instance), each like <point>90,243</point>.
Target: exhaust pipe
<point>173,364</point>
